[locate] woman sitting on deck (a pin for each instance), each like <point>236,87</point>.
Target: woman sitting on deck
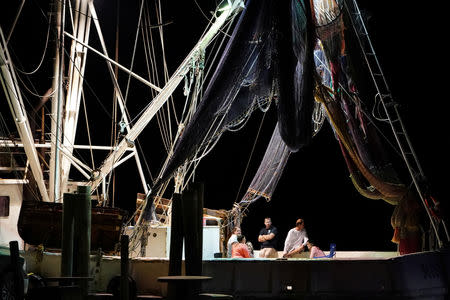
<point>314,250</point>
<point>240,249</point>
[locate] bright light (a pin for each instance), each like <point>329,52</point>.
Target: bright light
<point>79,48</point>
<point>225,5</point>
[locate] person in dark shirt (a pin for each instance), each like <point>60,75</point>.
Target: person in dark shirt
<point>268,239</point>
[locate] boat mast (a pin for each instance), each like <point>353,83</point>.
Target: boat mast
<point>78,54</point>
<point>171,85</point>
<point>117,91</point>
<point>14,97</point>
<point>57,101</point>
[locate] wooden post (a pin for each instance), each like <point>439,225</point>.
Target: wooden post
<point>67,236</point>
<point>82,233</point>
<point>176,243</point>
<point>187,222</point>
<point>124,263</point>
<point>76,234</point>
<point>176,236</point>
<point>193,224</point>
<point>193,237</point>
<point>17,269</point>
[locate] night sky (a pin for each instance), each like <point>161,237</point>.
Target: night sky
<point>315,185</point>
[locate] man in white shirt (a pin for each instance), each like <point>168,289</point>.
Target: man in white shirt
<point>233,239</point>
<point>296,239</point>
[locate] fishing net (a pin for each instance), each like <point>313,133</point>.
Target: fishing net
<point>296,74</point>
<point>268,56</point>
<point>281,51</point>
<point>267,176</point>
<point>273,54</point>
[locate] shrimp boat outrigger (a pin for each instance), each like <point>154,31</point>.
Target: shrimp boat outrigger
<point>297,57</point>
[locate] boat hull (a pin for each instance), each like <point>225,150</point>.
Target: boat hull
<point>40,223</point>
<point>415,276</point>
<point>358,275</point>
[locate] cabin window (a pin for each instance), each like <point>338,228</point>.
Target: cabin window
<point>4,206</point>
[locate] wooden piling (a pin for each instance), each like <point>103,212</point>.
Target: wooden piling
<point>17,269</point>
<point>193,224</point>
<point>76,235</point>
<point>124,266</point>
<point>176,236</point>
<point>67,235</point>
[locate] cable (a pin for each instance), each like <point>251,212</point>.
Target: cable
<point>15,21</point>
<point>209,19</point>
<point>43,54</point>
<point>250,157</point>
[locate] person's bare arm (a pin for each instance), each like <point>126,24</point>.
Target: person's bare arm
<point>295,251</point>
<point>265,237</point>
<point>269,236</point>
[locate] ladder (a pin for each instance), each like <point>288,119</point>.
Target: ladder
<point>391,109</point>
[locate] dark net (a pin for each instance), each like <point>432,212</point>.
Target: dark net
<point>281,50</point>
<point>266,178</point>
<point>269,171</point>
<point>269,54</point>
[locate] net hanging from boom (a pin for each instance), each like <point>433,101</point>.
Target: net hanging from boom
<point>368,164</point>
<point>291,54</point>
<point>262,59</point>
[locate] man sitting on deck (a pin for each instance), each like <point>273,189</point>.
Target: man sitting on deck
<point>268,239</point>
<point>296,239</point>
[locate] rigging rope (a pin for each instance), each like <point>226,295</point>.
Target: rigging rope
<point>43,54</point>
<point>250,157</point>
<point>166,70</point>
<point>192,165</point>
<point>149,49</point>
<point>133,53</point>
<point>15,21</point>
<point>89,136</point>
<point>29,90</point>
<point>209,19</point>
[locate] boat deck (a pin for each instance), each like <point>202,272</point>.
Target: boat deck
<point>350,275</point>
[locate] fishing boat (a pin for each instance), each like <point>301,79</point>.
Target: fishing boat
<point>296,60</point>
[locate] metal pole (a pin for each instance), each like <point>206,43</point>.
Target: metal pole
<point>77,65</point>
<point>54,178</point>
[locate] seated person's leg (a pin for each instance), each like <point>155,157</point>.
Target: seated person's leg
<point>262,253</point>
<point>272,253</point>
